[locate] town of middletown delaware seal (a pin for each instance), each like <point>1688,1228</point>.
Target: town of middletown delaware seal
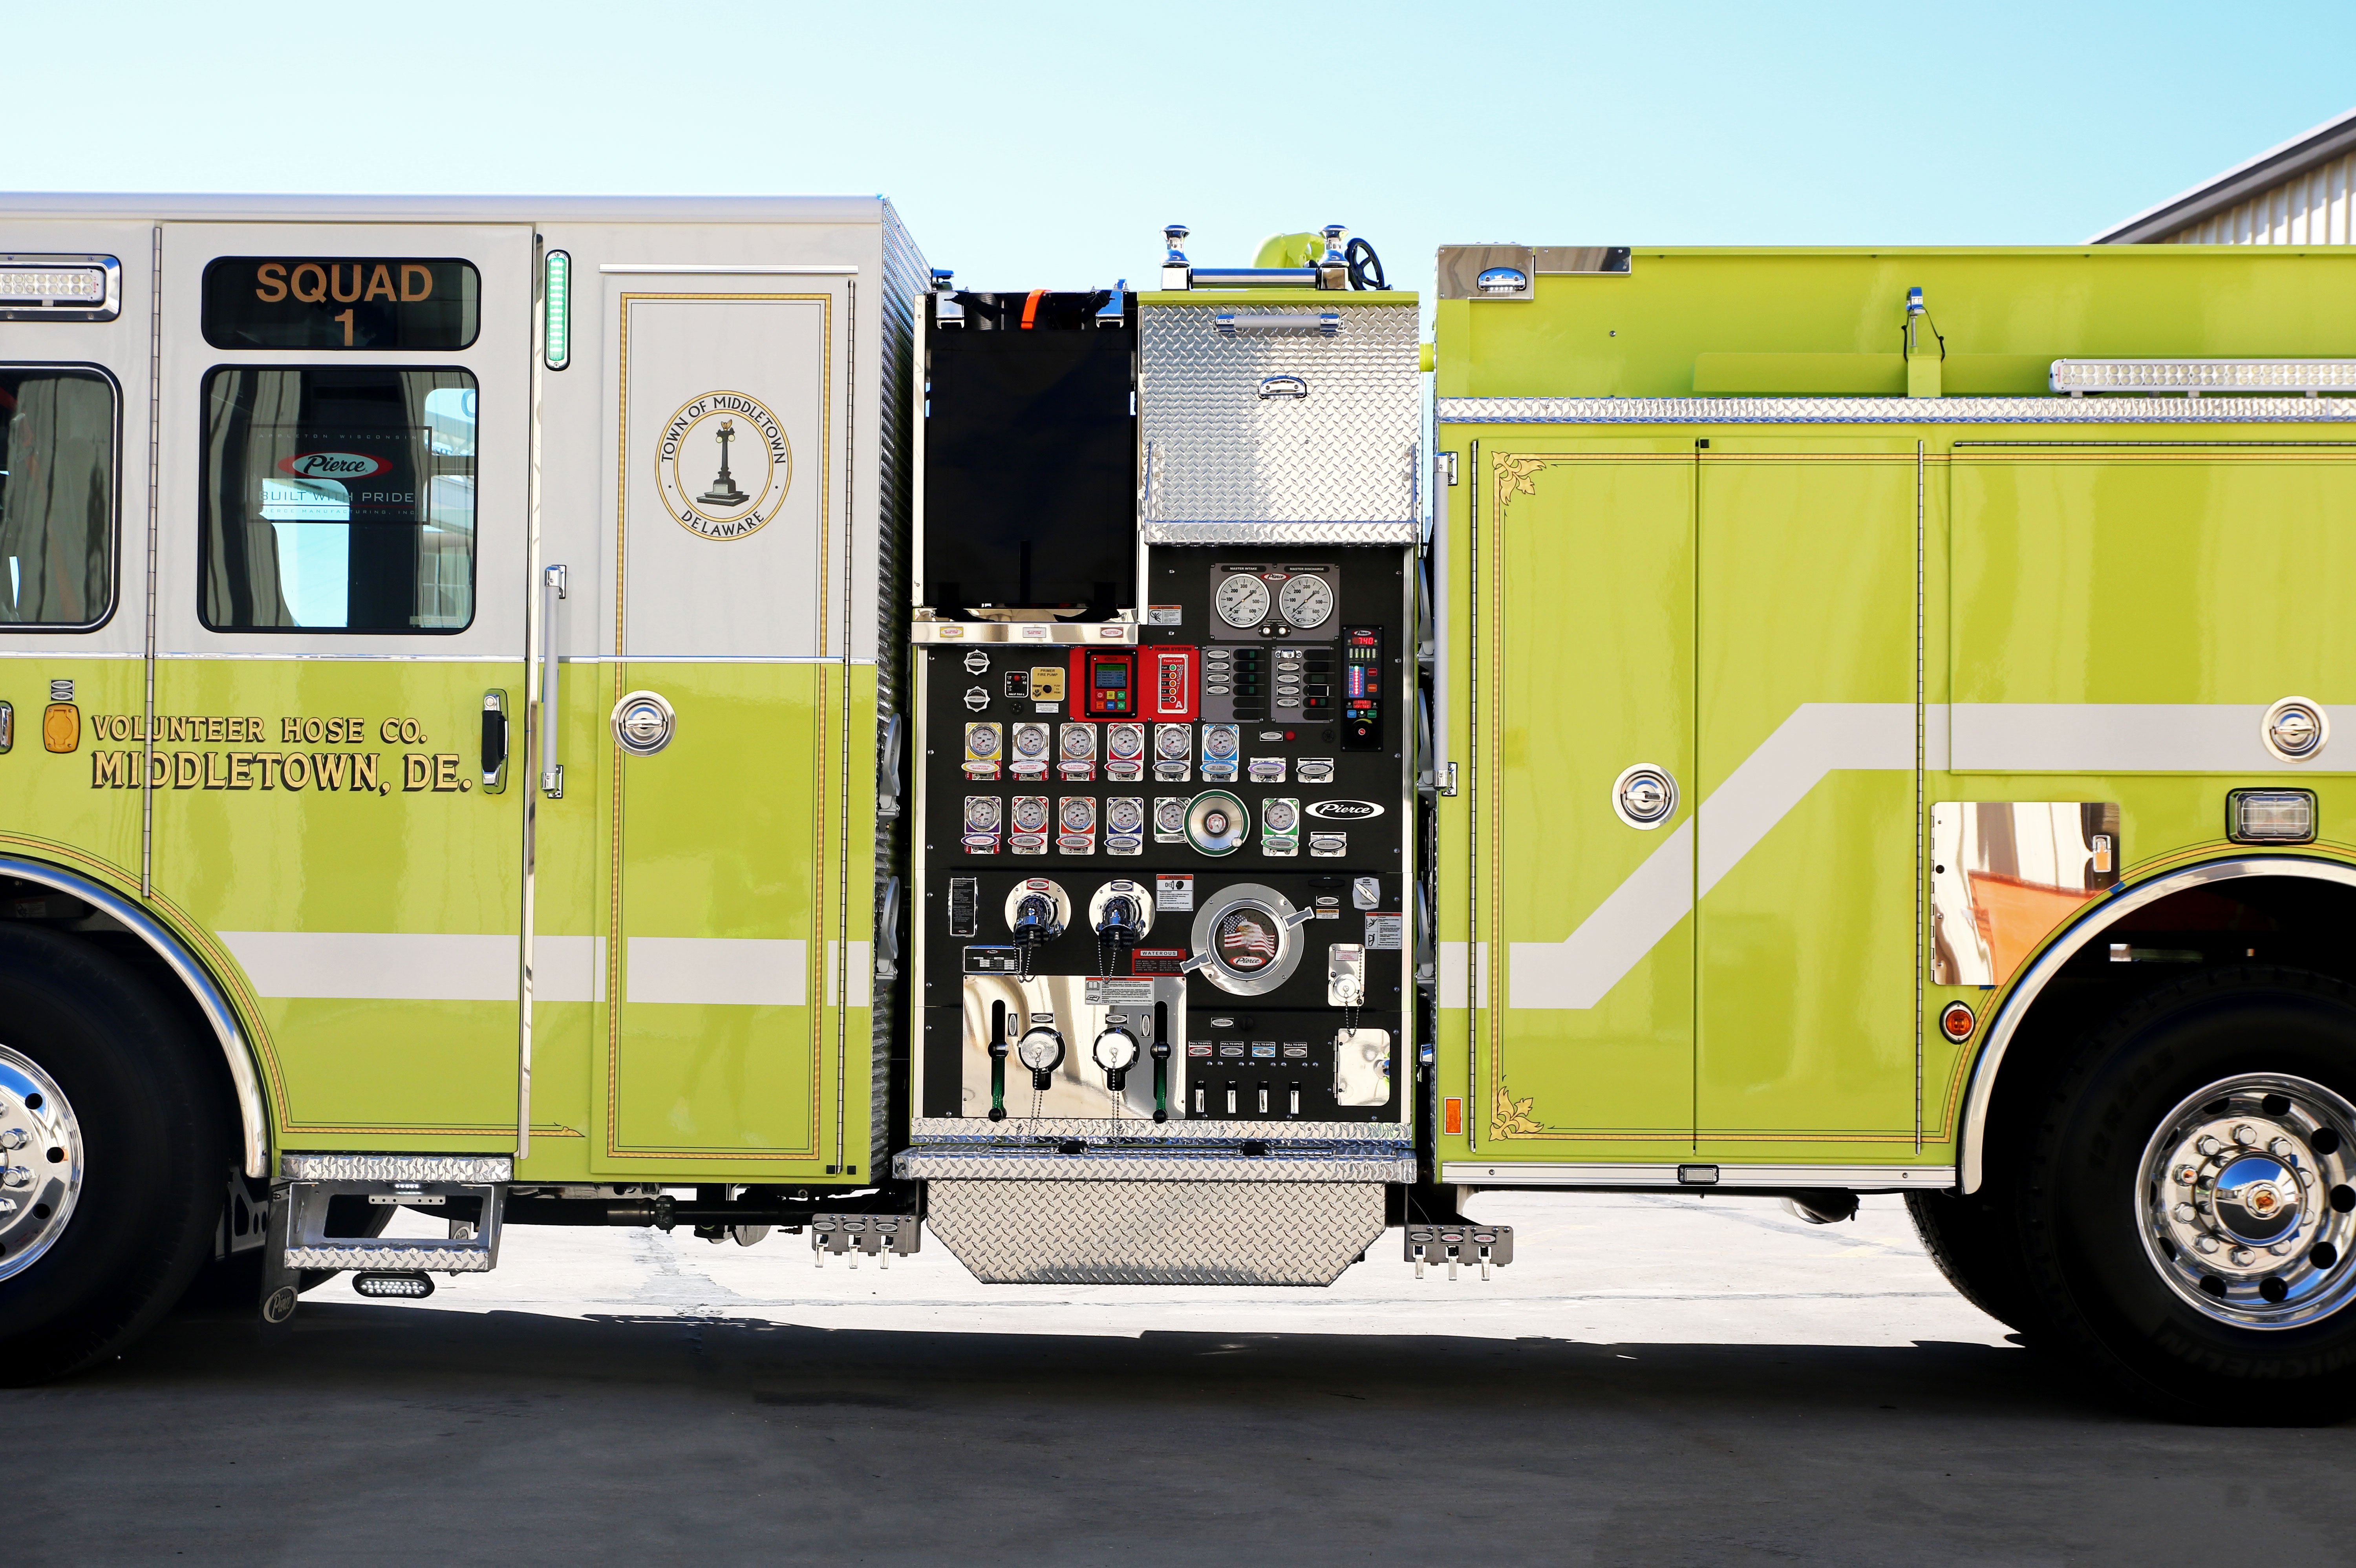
<point>725,465</point>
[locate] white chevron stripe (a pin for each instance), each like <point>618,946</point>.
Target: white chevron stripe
<point>1817,738</point>
<point>1820,737</point>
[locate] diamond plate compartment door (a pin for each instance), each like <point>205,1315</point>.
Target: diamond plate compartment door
<point>1279,422</point>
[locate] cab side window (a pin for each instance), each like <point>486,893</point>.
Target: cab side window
<point>57,497</point>
<point>339,499</point>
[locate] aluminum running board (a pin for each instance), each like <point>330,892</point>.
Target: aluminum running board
<point>420,1182</point>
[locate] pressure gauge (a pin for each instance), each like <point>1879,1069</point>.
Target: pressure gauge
<point>1305,601</point>
<point>1030,813</point>
<point>980,740</point>
<point>1079,814</point>
<point>1124,742</point>
<point>1242,599</point>
<point>1040,1051</point>
<point>1124,813</point>
<point>1172,743</point>
<point>1277,816</point>
<point>1079,742</point>
<point>981,813</point>
<point>1115,1050</point>
<point>1170,816</point>
<point>1031,740</point>
<point>1220,742</point>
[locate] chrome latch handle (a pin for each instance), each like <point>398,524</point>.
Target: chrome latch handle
<point>551,770</point>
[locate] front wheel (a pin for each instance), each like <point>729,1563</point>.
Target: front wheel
<point>112,1150</point>
<point>2190,1205</point>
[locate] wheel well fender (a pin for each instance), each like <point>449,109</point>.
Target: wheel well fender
<point>253,1117</point>
<point>2015,1010</point>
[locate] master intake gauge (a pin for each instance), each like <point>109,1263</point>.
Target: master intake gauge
<point>1241,600</point>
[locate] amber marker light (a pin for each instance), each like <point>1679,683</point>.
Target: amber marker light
<point>1956,1021</point>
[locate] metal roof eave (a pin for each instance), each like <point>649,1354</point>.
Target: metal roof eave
<point>2215,194</point>
<point>234,207</point>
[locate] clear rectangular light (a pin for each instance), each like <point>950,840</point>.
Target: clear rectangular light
<point>52,285</point>
<point>2197,377</point>
<point>2270,815</point>
<point>556,305</point>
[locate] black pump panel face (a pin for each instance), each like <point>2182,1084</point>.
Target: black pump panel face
<point>1204,750</point>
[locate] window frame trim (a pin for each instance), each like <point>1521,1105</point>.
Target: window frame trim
<point>203,531</point>
<point>115,519</point>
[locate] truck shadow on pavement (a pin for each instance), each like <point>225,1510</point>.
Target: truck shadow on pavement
<point>529,1437</point>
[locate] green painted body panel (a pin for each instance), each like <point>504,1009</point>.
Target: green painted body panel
<point>1585,580</point>
<point>405,857</point>
<point>2005,315</point>
<point>47,800</point>
<point>1806,596</point>
<point>2178,575</point>
<point>2092,564</point>
<point>737,831</point>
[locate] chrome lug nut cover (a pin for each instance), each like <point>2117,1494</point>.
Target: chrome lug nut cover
<point>2256,1245</point>
<point>43,1187</point>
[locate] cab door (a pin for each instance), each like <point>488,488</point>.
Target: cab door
<point>1581,623</point>
<point>341,535</point>
<point>728,757</point>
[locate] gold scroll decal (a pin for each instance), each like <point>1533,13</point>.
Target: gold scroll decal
<point>352,772</point>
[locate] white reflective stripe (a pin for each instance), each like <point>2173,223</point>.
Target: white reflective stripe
<point>1577,971</point>
<point>377,965</point>
<point>2129,737</point>
<point>1456,975</point>
<point>568,969</point>
<point>862,974</point>
<point>1819,737</point>
<point>725,971</point>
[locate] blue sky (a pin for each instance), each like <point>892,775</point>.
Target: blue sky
<point>1032,145</point>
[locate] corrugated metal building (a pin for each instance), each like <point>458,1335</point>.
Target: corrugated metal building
<point>2301,193</point>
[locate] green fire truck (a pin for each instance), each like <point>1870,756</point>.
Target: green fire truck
<point>672,712</point>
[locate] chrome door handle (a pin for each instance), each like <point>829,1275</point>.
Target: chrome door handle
<point>644,723</point>
<point>1644,796</point>
<point>551,772</point>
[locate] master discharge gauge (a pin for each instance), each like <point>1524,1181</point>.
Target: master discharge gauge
<point>1305,601</point>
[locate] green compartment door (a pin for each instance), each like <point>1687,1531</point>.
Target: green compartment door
<point>727,1043</point>
<point>1582,640</point>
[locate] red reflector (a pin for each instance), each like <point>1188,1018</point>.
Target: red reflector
<point>1451,1118</point>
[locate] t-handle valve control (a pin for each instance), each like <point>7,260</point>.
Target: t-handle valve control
<point>1161,1053</point>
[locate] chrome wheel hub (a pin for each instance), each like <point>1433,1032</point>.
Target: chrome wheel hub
<point>40,1162</point>
<point>2248,1201</point>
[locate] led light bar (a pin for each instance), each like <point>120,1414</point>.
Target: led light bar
<point>2270,815</point>
<point>61,288</point>
<point>556,306</point>
<point>2194,376</point>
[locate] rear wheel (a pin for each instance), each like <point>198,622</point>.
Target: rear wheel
<point>110,1153</point>
<point>2190,1206</point>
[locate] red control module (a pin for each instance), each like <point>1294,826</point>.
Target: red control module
<point>1104,683</point>
<point>1168,681</point>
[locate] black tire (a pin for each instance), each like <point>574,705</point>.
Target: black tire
<point>2081,1211</point>
<point>233,1283</point>
<point>155,1148</point>
<point>1975,1241</point>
